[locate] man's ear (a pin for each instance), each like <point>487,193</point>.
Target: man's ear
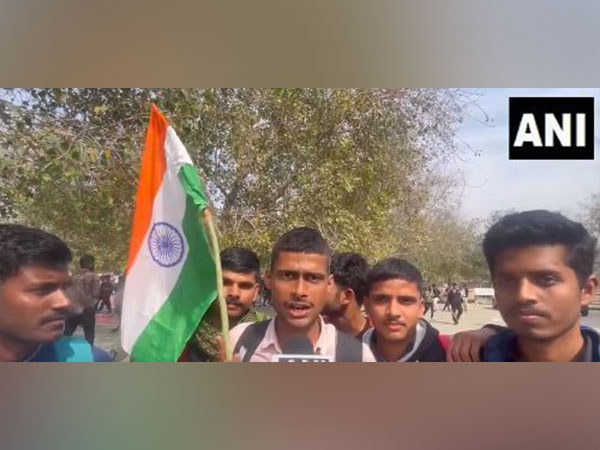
<point>256,292</point>
<point>330,282</point>
<point>332,288</point>
<point>347,297</point>
<point>267,279</point>
<point>589,290</point>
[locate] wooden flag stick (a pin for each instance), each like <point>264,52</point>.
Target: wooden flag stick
<point>212,231</point>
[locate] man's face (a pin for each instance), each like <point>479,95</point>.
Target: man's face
<point>394,307</point>
<point>241,291</point>
<point>334,306</point>
<point>299,284</point>
<point>33,304</point>
<point>537,293</point>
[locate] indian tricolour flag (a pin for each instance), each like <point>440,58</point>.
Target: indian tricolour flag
<point>171,275</point>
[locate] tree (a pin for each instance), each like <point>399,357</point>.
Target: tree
<point>342,160</point>
<point>591,219</point>
<point>591,215</point>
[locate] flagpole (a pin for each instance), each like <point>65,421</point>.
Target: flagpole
<point>212,231</point>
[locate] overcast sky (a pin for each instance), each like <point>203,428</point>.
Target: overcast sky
<point>492,182</point>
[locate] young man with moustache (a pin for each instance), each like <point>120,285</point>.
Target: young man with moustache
<point>344,301</point>
<point>396,307</point>
<point>241,284</point>
<point>541,265</point>
<point>299,280</point>
<point>33,304</point>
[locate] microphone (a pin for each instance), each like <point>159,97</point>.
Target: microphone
<point>298,345</point>
<point>300,349</point>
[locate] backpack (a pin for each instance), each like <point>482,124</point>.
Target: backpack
<point>347,348</point>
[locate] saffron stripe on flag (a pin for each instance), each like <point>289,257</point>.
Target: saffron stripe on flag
<point>154,165</point>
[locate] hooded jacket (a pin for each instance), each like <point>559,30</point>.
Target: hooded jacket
<point>428,345</point>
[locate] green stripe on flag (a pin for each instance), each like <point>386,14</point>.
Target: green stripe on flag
<point>166,335</point>
<point>193,185</point>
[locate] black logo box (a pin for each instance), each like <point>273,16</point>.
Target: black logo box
<point>539,106</point>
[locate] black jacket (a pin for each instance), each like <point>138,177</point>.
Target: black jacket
<point>503,346</point>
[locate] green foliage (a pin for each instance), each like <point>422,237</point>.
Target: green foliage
<point>357,164</point>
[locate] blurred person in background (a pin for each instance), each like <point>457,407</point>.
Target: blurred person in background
<point>84,290</point>
<point>104,294</point>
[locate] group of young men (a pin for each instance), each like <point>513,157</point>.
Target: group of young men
<point>541,264</point>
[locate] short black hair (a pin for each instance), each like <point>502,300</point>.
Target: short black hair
<point>394,269</point>
<point>22,246</point>
<point>88,262</point>
<point>541,227</point>
<point>350,272</point>
<point>241,260</point>
<point>301,240</point>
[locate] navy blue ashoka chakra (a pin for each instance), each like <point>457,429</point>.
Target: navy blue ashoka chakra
<point>166,244</point>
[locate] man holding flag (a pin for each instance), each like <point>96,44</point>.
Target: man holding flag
<point>171,275</point>
<point>241,288</point>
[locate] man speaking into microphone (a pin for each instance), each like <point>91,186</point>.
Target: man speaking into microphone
<point>299,280</point>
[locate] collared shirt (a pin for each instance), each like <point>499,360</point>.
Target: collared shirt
<point>270,347</point>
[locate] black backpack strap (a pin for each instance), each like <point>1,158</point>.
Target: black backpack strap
<point>250,338</point>
<point>347,348</point>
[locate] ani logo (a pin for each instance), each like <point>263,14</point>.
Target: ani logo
<point>166,244</point>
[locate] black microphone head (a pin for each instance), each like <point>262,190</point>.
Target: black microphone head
<point>298,345</point>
